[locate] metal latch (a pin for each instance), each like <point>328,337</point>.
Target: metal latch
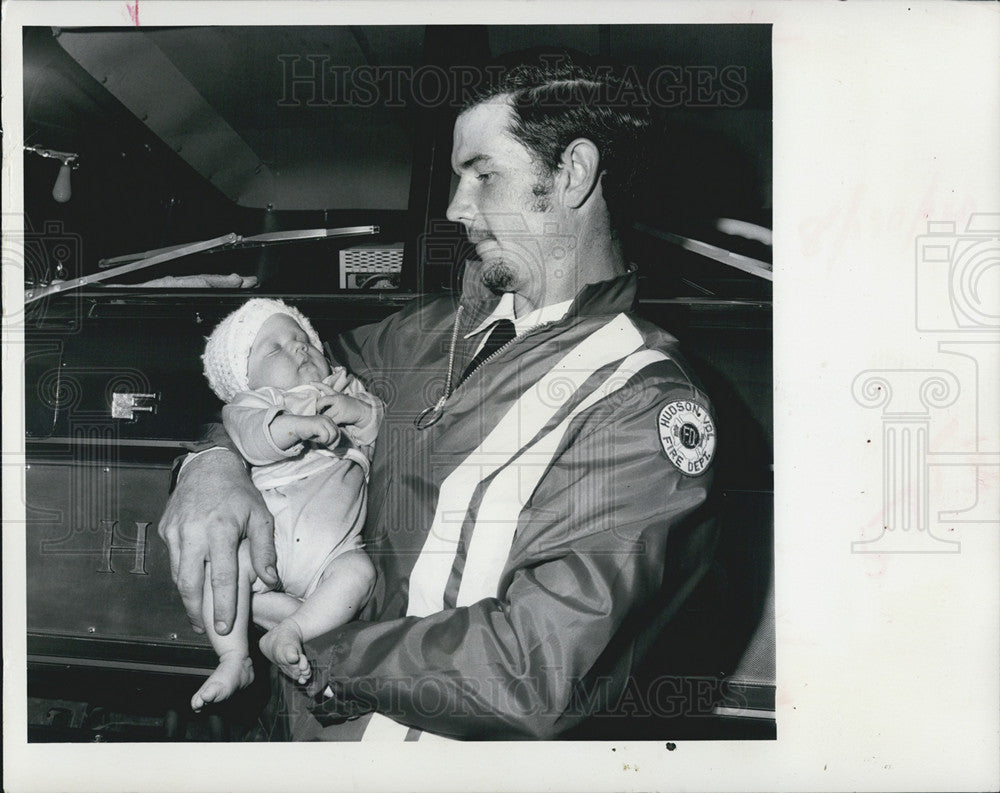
<point>123,406</point>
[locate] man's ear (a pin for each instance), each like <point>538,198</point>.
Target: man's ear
<point>581,171</point>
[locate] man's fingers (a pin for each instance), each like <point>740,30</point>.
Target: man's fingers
<point>190,580</point>
<point>260,534</point>
<point>168,533</point>
<point>224,572</point>
<point>202,522</point>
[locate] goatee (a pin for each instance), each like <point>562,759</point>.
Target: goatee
<point>497,276</point>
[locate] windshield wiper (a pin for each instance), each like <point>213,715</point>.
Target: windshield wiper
<point>138,261</point>
<point>714,252</point>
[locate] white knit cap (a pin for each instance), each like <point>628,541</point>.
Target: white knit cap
<point>228,348</point>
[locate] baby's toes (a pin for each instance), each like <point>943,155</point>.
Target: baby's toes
<point>209,692</point>
<point>291,655</point>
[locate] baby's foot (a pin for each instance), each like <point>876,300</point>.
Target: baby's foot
<point>233,673</point>
<point>283,646</point>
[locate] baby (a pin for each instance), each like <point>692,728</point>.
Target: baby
<point>308,431</point>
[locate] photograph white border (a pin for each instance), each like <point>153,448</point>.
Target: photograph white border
<point>885,119</point>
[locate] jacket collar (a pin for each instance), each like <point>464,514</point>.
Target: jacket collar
<point>606,297</point>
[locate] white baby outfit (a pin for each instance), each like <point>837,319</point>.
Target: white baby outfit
<point>316,494</point>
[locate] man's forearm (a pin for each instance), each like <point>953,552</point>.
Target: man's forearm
<point>213,437</point>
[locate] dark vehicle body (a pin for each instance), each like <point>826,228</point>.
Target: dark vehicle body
<point>188,134</point>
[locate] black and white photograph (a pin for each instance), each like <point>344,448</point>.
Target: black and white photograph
<point>576,399</point>
<point>488,322</point>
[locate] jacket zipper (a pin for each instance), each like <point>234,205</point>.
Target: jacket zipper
<point>431,415</point>
<point>499,350</point>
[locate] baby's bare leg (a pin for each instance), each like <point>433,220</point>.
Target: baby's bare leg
<point>235,670</point>
<point>344,587</point>
<point>270,608</point>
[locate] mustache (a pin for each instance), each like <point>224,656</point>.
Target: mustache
<point>478,235</point>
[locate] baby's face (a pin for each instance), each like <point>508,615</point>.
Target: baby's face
<point>282,357</point>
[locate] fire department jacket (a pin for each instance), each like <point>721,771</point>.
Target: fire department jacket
<point>533,541</point>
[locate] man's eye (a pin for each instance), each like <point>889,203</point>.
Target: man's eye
<point>485,177</point>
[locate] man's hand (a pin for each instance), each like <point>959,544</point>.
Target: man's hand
<point>214,507</point>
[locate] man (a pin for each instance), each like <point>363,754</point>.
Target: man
<point>534,519</point>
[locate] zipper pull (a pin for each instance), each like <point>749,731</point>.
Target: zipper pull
<point>429,416</point>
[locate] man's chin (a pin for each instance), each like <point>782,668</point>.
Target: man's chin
<point>497,277</point>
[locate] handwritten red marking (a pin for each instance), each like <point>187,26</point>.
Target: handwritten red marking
<point>133,12</point>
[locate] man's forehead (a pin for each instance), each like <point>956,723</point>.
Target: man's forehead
<point>482,134</point>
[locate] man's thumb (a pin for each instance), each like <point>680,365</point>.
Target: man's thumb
<point>260,535</point>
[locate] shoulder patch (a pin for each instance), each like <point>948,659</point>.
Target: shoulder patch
<point>687,433</point>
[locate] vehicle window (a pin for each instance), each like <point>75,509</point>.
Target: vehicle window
<point>181,135</point>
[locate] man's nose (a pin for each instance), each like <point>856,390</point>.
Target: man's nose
<point>461,209</point>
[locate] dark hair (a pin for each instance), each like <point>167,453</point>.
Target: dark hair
<point>557,98</point>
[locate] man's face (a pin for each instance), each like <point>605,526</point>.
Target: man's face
<point>282,357</point>
<point>502,199</point>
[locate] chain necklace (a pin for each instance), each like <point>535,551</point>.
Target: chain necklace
<point>431,415</point>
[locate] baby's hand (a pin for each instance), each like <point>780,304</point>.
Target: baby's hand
<point>343,409</point>
<point>287,429</point>
<point>341,379</point>
<point>320,429</point>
